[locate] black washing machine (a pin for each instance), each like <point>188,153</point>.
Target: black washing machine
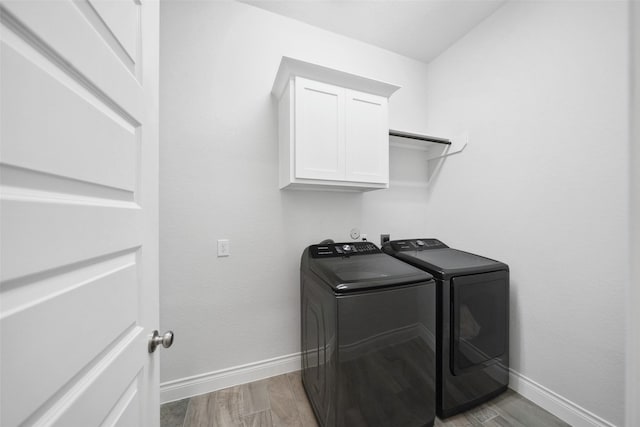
<point>472,321</point>
<point>368,337</point>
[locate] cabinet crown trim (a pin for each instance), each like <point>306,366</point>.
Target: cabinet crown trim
<point>290,67</point>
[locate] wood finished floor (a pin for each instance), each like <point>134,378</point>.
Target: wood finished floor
<point>281,402</point>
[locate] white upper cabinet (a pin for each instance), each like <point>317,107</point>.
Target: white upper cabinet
<point>333,128</point>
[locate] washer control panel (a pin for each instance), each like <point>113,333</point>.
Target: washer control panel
<point>416,245</point>
<point>343,249</point>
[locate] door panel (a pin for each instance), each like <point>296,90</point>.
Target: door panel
<point>367,138</point>
<point>91,145</point>
<point>107,382</point>
<point>74,51</point>
<point>122,19</point>
<point>78,223</point>
<point>319,130</point>
<point>48,362</point>
<point>42,233</point>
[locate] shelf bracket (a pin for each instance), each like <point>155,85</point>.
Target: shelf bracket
<point>458,144</point>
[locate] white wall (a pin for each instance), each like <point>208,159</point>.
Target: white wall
<point>542,88</point>
<point>219,179</point>
<point>633,296</point>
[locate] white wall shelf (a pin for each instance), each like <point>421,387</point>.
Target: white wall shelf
<point>435,146</point>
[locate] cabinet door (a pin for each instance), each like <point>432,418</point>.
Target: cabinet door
<point>367,138</point>
<point>319,130</point>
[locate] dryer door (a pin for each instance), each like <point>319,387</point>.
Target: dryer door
<point>479,320</point>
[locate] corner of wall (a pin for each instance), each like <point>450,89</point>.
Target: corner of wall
<point>632,389</point>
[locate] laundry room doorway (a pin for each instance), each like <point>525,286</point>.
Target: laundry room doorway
<point>79,213</point>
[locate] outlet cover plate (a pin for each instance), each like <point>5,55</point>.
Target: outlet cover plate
<point>224,247</point>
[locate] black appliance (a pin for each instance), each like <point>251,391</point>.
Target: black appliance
<point>368,337</point>
<point>472,321</point>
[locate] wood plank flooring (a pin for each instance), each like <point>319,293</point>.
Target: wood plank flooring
<point>281,402</point>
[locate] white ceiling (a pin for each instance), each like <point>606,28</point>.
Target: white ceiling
<point>419,29</point>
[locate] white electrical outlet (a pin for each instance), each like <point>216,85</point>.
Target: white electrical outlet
<point>224,247</point>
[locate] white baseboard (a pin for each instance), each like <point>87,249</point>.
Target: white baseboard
<point>212,381</point>
<point>559,406</point>
<point>217,380</point>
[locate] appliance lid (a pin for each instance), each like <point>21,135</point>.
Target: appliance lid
<point>440,260</point>
<point>359,266</point>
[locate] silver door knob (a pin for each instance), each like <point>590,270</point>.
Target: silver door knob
<point>156,339</point>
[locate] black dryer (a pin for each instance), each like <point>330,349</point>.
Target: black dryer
<point>472,312</point>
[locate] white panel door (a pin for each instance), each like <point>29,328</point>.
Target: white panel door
<point>319,130</point>
<point>78,212</point>
<point>367,138</point>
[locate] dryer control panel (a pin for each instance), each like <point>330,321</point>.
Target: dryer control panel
<point>343,249</point>
<point>416,245</point>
